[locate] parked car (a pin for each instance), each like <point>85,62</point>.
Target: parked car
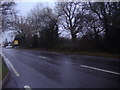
<point>7,47</point>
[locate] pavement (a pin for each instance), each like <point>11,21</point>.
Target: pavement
<point>41,69</point>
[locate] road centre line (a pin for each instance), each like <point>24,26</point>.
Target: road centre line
<point>27,87</point>
<point>42,57</point>
<point>10,64</point>
<point>98,69</point>
<point>67,62</point>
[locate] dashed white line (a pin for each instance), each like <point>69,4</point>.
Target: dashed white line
<point>98,69</point>
<point>27,87</point>
<point>42,57</point>
<point>10,64</point>
<point>66,62</point>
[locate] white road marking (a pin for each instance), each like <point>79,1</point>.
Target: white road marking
<point>42,57</point>
<point>10,64</point>
<point>16,73</point>
<point>27,87</point>
<point>66,62</point>
<point>98,69</point>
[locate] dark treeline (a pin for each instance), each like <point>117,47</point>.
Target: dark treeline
<point>92,26</point>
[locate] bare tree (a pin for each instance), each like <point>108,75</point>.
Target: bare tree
<point>44,24</point>
<point>23,28</point>
<point>72,17</point>
<point>108,13</point>
<point>7,10</point>
<point>36,18</point>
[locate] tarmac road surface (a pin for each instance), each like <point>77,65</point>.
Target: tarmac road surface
<point>41,69</point>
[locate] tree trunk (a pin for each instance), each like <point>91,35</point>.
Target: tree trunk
<point>96,37</point>
<point>74,36</point>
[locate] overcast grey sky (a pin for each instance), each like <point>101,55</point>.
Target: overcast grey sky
<point>25,7</point>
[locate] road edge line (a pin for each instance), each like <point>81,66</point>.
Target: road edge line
<point>9,64</point>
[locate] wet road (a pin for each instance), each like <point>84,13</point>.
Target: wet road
<point>39,69</point>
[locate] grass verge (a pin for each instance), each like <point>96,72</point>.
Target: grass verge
<point>3,69</point>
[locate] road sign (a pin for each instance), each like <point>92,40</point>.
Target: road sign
<point>16,42</point>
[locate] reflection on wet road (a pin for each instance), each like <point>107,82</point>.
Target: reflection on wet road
<point>40,69</point>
